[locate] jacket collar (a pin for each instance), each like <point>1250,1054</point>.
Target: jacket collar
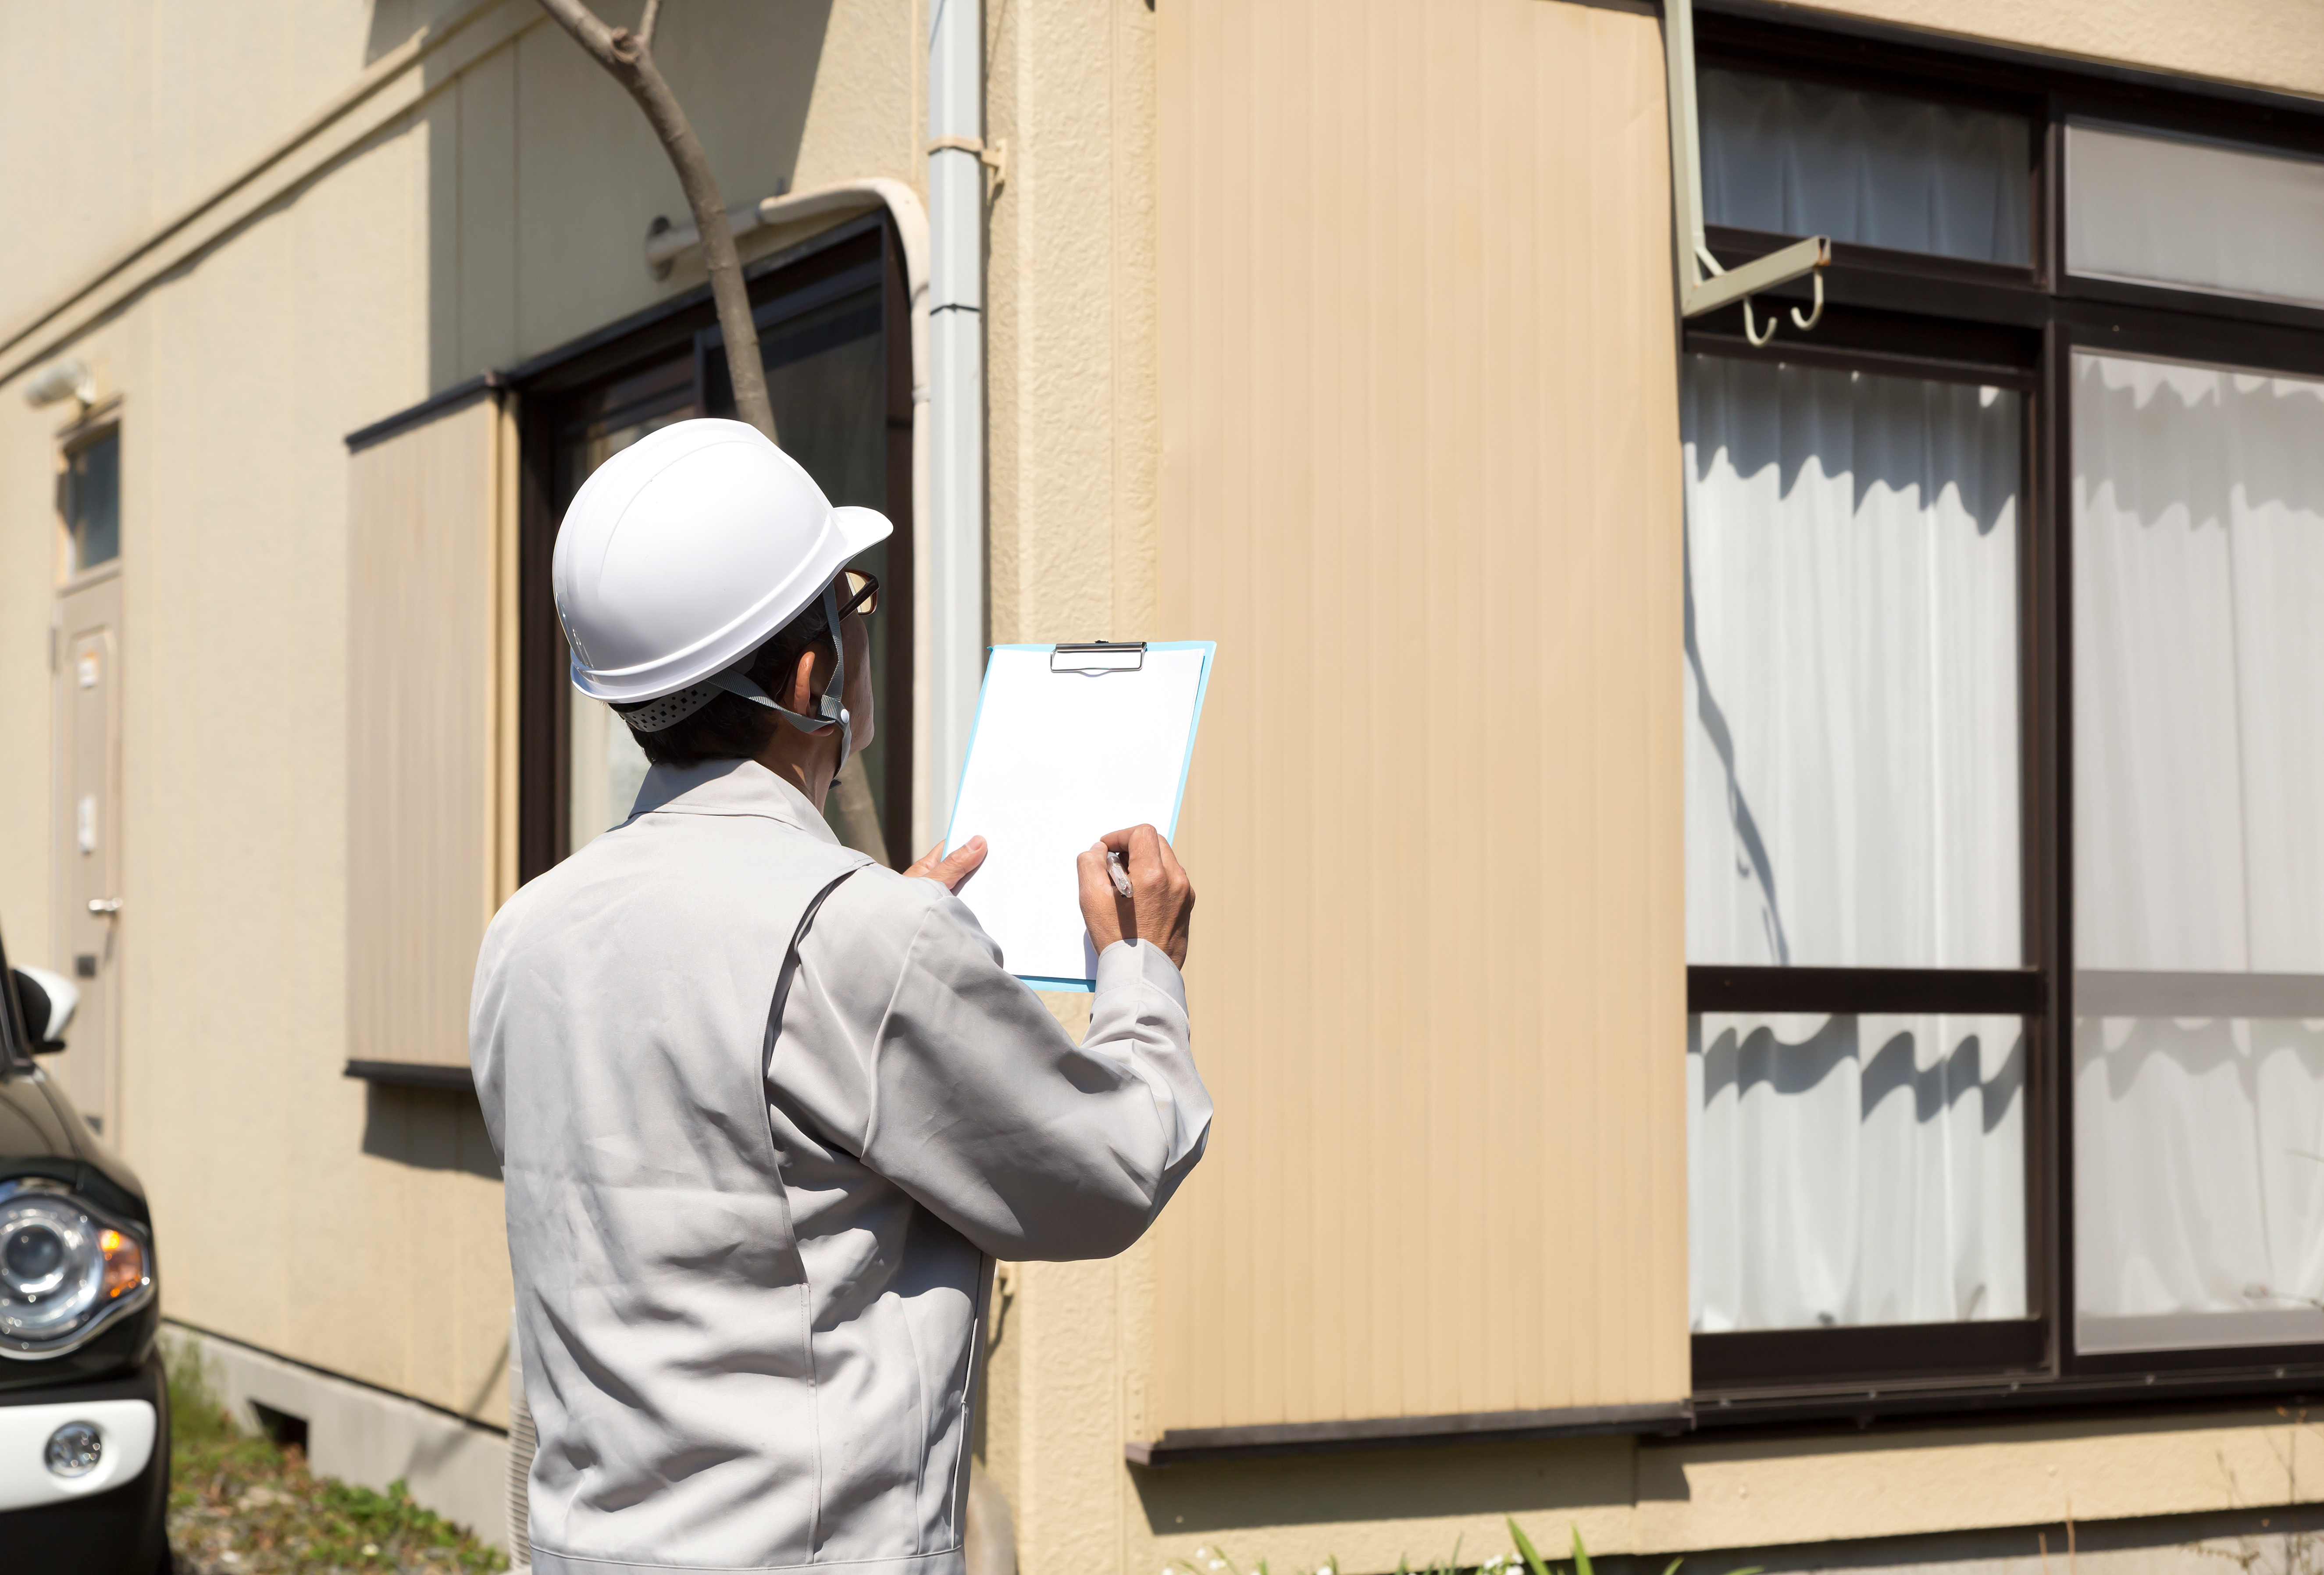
<point>728,787</point>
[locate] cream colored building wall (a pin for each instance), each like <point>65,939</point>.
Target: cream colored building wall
<point>1072,1374</point>
<point>545,177</point>
<point>1420,427</point>
<point>485,201</point>
<point>1073,465</point>
<point>1370,1511</point>
<point>289,1212</point>
<point>2276,44</point>
<point>1072,346</point>
<point>138,109</point>
<point>471,215</point>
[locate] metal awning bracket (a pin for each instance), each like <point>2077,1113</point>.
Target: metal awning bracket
<point>1704,286</point>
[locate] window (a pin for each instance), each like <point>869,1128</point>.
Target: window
<point>2194,213</point>
<point>92,491</point>
<point>2004,895</point>
<point>1852,801</point>
<point>1797,158</point>
<point>831,335</point>
<point>2199,855</point>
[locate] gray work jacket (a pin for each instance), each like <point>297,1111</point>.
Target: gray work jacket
<point>767,1112</point>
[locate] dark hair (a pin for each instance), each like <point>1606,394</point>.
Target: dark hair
<point>731,728</point>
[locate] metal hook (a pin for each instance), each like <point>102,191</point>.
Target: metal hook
<point>1815,316</point>
<point>1751,327</point>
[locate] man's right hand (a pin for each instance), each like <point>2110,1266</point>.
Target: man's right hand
<point>1162,898</point>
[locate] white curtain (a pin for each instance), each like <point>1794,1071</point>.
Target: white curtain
<point>2197,214</point>
<point>1802,159</point>
<point>1852,800</point>
<point>1852,673</point>
<point>2198,855</point>
<point>1848,1170</point>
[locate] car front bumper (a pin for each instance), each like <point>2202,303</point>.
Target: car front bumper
<point>114,1519</point>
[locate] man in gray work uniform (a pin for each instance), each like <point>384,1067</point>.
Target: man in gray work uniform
<point>766,1110</point>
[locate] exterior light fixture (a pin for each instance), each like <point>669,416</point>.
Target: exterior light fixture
<point>61,380</point>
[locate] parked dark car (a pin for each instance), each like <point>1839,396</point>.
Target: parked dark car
<point>84,1410</point>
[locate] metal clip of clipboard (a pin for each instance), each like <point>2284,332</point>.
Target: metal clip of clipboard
<point>1100,657</point>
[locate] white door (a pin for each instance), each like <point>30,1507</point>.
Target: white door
<point>89,839</point>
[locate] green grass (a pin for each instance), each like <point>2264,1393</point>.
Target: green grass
<point>236,1492</point>
<point>1524,1560</point>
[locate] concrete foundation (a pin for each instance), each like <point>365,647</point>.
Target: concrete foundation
<point>365,1435</point>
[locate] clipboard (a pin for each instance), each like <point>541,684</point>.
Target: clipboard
<point>1070,741</point>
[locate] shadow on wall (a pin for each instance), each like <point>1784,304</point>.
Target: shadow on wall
<point>1531,1479</point>
<point>2259,1541</point>
<point>543,176</point>
<point>395,22</point>
<point>429,1129</point>
<point>1537,1482</point>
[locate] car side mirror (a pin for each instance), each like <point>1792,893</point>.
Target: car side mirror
<point>49,1001</point>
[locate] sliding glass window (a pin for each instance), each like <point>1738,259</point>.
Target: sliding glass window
<point>1852,787</point>
<point>832,336</point>
<point>2199,855</point>
<point>2004,703</point>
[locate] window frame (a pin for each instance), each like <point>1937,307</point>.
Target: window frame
<point>100,422</point>
<point>840,261</point>
<point>1930,317</point>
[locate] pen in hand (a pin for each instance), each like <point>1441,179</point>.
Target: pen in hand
<point>1158,900</point>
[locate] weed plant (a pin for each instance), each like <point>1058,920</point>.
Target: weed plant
<point>240,1502</point>
<point>1525,1559</point>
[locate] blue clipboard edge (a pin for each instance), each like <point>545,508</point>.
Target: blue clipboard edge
<point>1210,649</point>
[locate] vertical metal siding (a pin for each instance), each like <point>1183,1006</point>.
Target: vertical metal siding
<point>431,727</point>
<point>1420,481</point>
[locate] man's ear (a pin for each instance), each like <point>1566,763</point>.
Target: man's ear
<point>805,687</point>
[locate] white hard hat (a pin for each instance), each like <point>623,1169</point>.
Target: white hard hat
<point>684,552</point>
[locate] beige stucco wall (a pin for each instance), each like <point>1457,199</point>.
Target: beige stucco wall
<point>2277,44</point>
<point>1661,1499</point>
<point>487,200</point>
<point>1075,465</point>
<point>1071,1376</point>
<point>238,379</point>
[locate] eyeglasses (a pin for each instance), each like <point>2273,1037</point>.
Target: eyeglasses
<point>858,593</point>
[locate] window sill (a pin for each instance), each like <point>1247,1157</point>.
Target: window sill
<point>414,1074</point>
<point>1178,1446</point>
<point>1925,1402</point>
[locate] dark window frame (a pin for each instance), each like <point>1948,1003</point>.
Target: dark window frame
<point>101,423</point>
<point>840,261</point>
<point>1919,315</point>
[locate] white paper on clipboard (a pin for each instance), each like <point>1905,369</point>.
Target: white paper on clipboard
<point>1070,742</point>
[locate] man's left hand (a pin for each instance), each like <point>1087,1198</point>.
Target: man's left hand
<point>950,871</point>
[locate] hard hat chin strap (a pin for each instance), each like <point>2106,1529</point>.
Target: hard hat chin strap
<point>828,709</point>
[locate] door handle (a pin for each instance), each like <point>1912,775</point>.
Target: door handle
<point>107,906</point>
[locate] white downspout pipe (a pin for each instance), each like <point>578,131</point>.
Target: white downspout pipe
<point>952,571</point>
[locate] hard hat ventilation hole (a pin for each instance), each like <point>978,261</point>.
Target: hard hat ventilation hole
<point>669,710</point>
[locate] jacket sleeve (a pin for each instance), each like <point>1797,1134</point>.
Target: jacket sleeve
<point>906,1041</point>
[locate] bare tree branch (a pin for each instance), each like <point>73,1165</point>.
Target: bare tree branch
<point>627,57</point>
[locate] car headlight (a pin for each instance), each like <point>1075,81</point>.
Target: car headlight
<point>66,1267</point>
